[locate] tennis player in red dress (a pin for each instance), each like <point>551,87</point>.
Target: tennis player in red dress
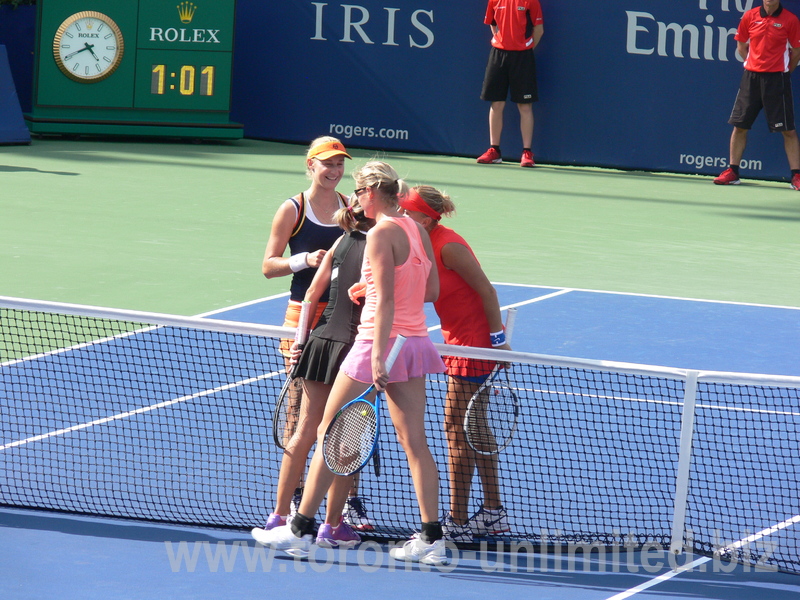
<point>469,311</point>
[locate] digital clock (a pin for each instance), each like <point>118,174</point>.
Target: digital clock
<point>185,79</point>
<point>190,79</point>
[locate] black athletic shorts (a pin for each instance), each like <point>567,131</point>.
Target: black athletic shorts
<point>770,91</point>
<point>513,70</point>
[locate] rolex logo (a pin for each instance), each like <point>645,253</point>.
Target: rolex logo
<point>186,11</point>
<point>89,25</point>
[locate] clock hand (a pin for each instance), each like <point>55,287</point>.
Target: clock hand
<point>71,54</point>
<point>89,48</point>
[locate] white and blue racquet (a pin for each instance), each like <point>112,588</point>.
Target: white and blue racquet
<point>352,437</point>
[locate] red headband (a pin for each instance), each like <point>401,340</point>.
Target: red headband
<point>413,201</point>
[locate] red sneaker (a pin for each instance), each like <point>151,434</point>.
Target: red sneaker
<point>796,181</point>
<point>728,177</point>
<point>491,156</point>
<point>527,159</point>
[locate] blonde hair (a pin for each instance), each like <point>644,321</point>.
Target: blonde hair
<point>352,217</point>
<point>381,176</point>
<point>436,199</point>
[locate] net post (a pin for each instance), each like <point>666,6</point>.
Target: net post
<point>684,462</point>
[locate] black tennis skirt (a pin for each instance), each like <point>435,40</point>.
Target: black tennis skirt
<point>321,359</point>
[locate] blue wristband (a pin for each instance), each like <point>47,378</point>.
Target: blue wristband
<point>498,339</point>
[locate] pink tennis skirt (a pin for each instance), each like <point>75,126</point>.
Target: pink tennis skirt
<point>417,358</point>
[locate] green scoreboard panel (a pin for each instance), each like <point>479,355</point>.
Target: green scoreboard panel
<point>146,67</point>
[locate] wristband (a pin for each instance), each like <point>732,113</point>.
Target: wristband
<point>498,339</point>
<point>297,262</point>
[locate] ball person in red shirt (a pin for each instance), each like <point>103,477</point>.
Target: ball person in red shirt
<point>517,27</point>
<point>768,39</point>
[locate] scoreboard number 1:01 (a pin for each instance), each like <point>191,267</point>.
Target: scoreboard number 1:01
<point>187,80</point>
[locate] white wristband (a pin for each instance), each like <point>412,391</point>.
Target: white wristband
<point>297,262</point>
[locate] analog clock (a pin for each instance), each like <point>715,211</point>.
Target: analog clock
<point>88,46</point>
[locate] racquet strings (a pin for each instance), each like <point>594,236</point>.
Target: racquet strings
<point>287,410</point>
<point>351,437</point>
<point>492,412</point>
<point>492,419</point>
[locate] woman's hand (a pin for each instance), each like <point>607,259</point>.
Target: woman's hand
<point>314,259</point>
<point>379,375</point>
<point>357,291</point>
<point>296,350</point>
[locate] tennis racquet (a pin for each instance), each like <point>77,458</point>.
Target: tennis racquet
<point>287,409</point>
<point>352,437</point>
<point>491,417</point>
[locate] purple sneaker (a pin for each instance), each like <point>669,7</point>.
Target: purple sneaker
<point>342,536</point>
<point>274,520</point>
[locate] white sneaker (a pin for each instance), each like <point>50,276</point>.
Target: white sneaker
<point>489,522</point>
<point>283,538</point>
<point>415,550</point>
<point>453,532</point>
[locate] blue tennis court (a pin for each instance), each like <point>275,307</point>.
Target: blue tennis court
<point>652,330</point>
<point>68,556</point>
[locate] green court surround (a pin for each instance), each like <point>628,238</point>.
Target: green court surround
<point>180,227</point>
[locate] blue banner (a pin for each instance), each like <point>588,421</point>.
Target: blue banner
<point>12,125</point>
<point>631,84</point>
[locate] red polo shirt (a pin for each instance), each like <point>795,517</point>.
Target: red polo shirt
<point>515,20</point>
<point>770,38</point>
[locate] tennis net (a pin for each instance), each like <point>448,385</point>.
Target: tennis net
<point>165,418</point>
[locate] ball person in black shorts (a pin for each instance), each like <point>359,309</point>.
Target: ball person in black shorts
<point>517,28</point>
<point>768,39</point>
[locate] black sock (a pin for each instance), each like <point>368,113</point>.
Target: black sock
<point>528,149</point>
<point>496,147</point>
<point>431,532</point>
<point>795,171</point>
<point>303,525</point>
<point>735,169</point>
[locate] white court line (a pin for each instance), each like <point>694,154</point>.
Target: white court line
<point>518,304</point>
<point>78,346</point>
<point>142,410</point>
<point>560,292</point>
<point>657,296</point>
<point>124,415</point>
<point>243,305</point>
<point>138,411</point>
<point>736,545</point>
<point>552,392</point>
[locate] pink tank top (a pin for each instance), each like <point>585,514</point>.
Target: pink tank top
<point>410,280</point>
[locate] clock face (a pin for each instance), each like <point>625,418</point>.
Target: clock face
<point>88,46</point>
